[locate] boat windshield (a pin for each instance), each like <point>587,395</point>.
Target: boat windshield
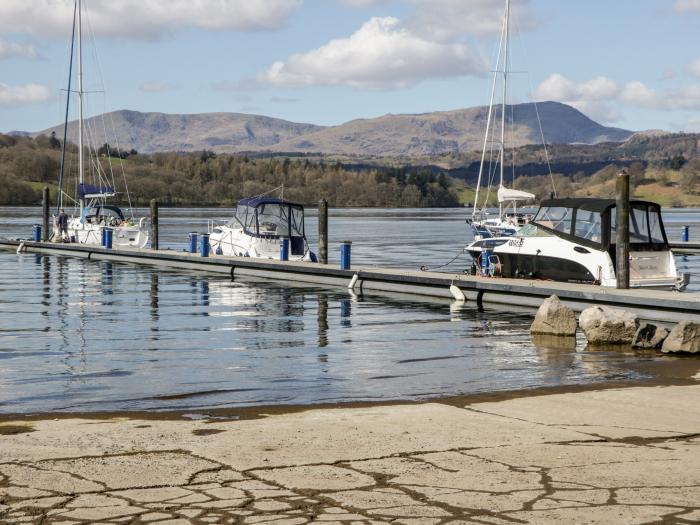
<point>531,230</point>
<point>646,226</point>
<point>270,219</point>
<point>556,218</point>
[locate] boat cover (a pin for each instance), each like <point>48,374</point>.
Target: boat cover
<point>92,191</point>
<point>508,194</point>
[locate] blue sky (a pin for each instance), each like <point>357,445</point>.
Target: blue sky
<point>628,63</point>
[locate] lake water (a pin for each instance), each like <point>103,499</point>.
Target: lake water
<point>95,336</point>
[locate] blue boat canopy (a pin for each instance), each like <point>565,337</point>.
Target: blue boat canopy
<point>258,201</point>
<point>91,191</point>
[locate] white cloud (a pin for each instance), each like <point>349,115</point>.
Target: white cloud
<point>16,50</point>
<point>687,6</point>
<point>21,95</point>
<point>599,97</point>
<point>694,67</point>
<point>156,87</point>
<point>446,20</point>
<point>144,19</point>
<point>381,54</point>
<point>361,4</point>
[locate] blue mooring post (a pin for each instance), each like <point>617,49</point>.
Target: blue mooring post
<point>108,238</point>
<point>36,233</point>
<point>193,242</point>
<point>284,249</point>
<point>204,245</point>
<point>103,236</point>
<point>685,234</point>
<point>345,248</point>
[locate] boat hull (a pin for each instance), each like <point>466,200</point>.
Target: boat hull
<point>123,236</point>
<point>557,259</point>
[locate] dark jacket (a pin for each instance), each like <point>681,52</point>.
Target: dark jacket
<point>62,221</point>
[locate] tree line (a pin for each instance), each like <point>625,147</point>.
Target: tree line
<point>208,179</point>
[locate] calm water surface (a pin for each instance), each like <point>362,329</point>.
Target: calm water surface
<point>82,336</point>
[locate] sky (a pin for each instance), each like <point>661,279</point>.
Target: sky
<point>633,64</point>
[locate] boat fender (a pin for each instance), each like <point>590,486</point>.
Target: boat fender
<point>312,257</point>
<point>21,248</point>
<point>218,250</point>
<point>457,294</point>
<point>353,281</point>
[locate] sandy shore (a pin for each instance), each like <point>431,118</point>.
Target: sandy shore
<point>628,455</point>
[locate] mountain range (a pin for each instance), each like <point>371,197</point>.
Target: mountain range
<point>390,135</point>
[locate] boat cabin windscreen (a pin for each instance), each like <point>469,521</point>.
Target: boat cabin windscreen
<point>271,219</point>
<point>646,227</point>
<point>593,222</point>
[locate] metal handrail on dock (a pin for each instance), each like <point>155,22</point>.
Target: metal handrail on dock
<point>648,304</point>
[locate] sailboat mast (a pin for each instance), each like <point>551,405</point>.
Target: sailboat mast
<point>506,37</point>
<point>80,104</point>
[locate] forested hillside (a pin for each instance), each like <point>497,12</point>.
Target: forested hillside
<point>207,179</point>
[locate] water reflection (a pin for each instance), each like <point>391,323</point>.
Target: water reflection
<point>122,337</point>
<point>322,309</point>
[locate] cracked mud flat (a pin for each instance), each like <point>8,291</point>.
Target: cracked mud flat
<point>614,456</point>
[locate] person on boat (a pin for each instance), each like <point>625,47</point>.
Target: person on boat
<point>63,224</point>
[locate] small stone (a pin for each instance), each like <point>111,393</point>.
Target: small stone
<point>554,318</point>
<point>604,325</point>
<point>649,336</point>
<point>684,338</point>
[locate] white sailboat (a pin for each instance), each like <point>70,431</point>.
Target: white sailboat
<point>509,219</point>
<point>94,214</point>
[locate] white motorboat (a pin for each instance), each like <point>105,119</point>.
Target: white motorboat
<point>92,215</point>
<point>574,240</point>
<point>258,228</point>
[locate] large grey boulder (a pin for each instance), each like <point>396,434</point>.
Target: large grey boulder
<point>608,326</point>
<point>554,318</point>
<point>649,336</point>
<point>684,338</point>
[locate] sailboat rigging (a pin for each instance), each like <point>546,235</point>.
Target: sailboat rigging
<point>94,214</point>
<point>509,219</point>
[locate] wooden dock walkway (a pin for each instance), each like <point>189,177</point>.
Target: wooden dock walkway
<point>655,305</point>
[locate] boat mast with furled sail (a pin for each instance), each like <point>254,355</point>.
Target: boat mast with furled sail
<point>94,214</point>
<point>508,220</point>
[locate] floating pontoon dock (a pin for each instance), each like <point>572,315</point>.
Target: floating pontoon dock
<point>649,304</point>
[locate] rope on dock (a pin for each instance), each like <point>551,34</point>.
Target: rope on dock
<point>428,268</point>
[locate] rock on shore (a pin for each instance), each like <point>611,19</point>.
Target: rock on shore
<point>604,325</point>
<point>684,338</point>
<point>649,335</point>
<point>554,318</point>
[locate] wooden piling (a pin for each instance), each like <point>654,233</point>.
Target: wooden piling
<point>154,224</point>
<point>622,271</point>
<point>323,231</point>
<point>45,213</point>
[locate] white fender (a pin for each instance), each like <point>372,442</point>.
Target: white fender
<point>457,294</point>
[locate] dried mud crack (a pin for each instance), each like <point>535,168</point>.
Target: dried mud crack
<point>508,462</point>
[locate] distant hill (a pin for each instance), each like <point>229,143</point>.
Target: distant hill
<point>390,135</point>
<point>153,132</point>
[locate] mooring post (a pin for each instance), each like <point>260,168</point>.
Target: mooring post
<point>323,231</point>
<point>45,213</point>
<point>623,230</point>
<point>154,224</point>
